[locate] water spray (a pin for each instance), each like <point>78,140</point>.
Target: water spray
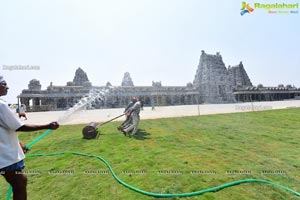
<point>83,103</point>
<point>91,130</point>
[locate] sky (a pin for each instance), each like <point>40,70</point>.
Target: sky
<point>153,40</point>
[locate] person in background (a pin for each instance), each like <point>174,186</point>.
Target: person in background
<point>22,112</point>
<point>153,104</point>
<point>11,149</point>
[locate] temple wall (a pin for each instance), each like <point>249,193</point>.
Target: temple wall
<point>213,83</point>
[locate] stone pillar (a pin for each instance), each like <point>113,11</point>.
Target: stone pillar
<point>172,99</point>
<point>163,100</point>
<point>55,103</point>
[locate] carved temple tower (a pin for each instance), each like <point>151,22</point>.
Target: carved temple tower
<point>238,76</point>
<point>127,81</point>
<point>212,80</point>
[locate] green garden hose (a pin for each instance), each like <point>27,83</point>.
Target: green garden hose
<point>213,189</point>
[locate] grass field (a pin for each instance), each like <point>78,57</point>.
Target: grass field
<point>175,155</point>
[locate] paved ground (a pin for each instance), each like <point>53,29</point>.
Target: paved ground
<point>101,115</point>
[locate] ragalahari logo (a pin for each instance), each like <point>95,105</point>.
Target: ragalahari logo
<point>246,8</point>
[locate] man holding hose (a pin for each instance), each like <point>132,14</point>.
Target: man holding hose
<point>11,150</point>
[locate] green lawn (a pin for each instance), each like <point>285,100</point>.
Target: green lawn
<point>255,142</point>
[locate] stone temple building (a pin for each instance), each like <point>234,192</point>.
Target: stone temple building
<point>213,83</point>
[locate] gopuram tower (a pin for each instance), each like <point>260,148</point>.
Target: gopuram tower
<point>212,80</point>
<point>239,76</point>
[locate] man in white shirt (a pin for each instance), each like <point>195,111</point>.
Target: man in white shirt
<point>11,152</point>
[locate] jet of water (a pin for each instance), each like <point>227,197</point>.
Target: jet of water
<point>83,103</point>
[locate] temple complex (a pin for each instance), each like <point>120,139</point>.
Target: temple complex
<point>213,83</point>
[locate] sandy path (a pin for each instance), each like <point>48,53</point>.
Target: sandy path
<point>101,115</point>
